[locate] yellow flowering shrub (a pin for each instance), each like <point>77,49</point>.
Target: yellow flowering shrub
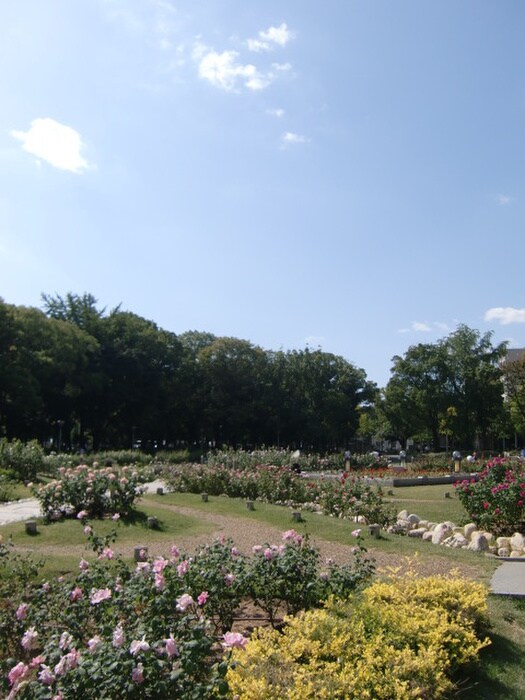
<point>396,641</point>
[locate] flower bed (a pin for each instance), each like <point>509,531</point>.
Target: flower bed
<point>159,630</point>
<point>345,496</point>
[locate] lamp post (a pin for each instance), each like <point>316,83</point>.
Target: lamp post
<point>60,423</point>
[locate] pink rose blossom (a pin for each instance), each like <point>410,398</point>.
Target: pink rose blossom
<point>88,530</point>
<point>235,552</point>
<point>171,647</point>
<point>17,673</point>
<point>67,662</point>
<point>229,579</point>
<point>182,568</point>
<point>83,565</point>
<point>36,661</point>
<point>76,594</point>
<point>46,676</point>
<point>115,517</point>
<point>160,581</point>
<point>184,602</point>
<point>356,533</point>
<point>203,597</point>
<point>66,640</point>
<point>257,548</point>
<point>118,636</point>
<point>159,565</point>
<point>107,553</point>
<point>94,642</point>
<point>82,514</point>
<point>234,639</point>
<point>138,645</point>
<point>97,597</point>
<point>175,553</point>
<point>268,553</point>
<point>29,640</point>
<point>138,674</point>
<point>21,611</point>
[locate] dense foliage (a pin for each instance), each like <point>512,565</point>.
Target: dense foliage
<point>451,388</point>
<point>496,502</point>
<point>79,377</point>
<point>400,639</point>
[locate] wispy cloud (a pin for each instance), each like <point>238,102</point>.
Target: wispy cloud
<point>279,112</point>
<point>57,144</point>
<point>505,315</point>
<point>423,327</point>
<point>503,199</point>
<point>268,39</point>
<point>291,138</point>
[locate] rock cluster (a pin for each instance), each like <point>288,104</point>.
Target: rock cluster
<point>450,535</point>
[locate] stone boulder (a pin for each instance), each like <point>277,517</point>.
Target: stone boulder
<point>440,533</point>
<point>478,542</point>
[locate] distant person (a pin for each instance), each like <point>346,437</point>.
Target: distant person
<point>347,456</point>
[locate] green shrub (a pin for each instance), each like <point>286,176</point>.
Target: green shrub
<point>24,460</point>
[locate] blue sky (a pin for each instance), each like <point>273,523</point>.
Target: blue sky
<point>346,175</point>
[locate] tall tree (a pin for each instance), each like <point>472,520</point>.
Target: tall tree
<point>453,385</point>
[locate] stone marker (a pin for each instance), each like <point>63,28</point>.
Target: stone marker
<point>31,527</point>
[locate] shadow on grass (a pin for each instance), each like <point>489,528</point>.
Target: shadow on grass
<point>138,518</point>
<point>478,683</point>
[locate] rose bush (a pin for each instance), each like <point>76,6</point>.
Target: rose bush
<point>93,490</point>
<point>496,502</point>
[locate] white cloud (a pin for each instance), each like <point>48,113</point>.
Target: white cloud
<point>289,137</point>
<point>271,37</point>
<point>505,315</point>
<point>57,144</point>
<point>279,112</point>
<point>223,70</point>
<point>417,327</point>
<point>421,327</point>
<point>504,199</point>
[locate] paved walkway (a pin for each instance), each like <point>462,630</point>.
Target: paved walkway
<point>508,579</point>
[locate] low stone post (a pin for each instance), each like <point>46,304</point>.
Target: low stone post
<point>374,530</point>
<point>152,522</point>
<point>205,497</point>
<point>141,553</point>
<point>31,528</point>
<point>250,505</point>
<point>160,491</point>
<point>296,516</point>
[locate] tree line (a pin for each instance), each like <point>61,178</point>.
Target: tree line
<point>77,376</point>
